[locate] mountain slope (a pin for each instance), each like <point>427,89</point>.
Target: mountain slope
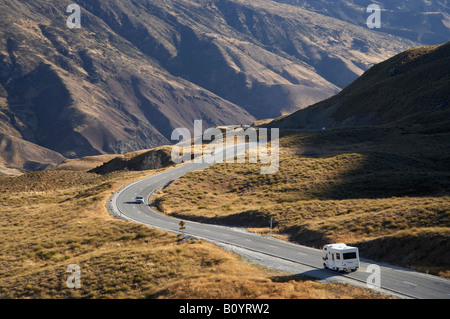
<point>263,56</point>
<point>16,153</point>
<point>136,70</point>
<point>424,21</point>
<point>411,88</point>
<point>76,93</point>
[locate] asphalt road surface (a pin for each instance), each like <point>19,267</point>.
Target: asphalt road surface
<point>399,281</point>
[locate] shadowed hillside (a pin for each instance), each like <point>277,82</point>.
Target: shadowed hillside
<point>151,159</point>
<point>411,88</point>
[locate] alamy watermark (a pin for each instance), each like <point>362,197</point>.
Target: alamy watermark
<point>374,20</point>
<point>229,144</point>
<point>74,280</point>
<point>374,279</point>
<point>74,20</point>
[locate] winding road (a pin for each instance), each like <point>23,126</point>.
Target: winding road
<point>398,281</point>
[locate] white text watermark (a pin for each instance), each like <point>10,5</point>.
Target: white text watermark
<point>374,279</point>
<point>374,20</point>
<point>74,280</point>
<point>74,20</point>
<point>230,147</point>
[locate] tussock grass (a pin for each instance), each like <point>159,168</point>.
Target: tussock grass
<point>52,219</point>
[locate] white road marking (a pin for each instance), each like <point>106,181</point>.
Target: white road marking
<point>415,273</point>
<point>410,283</point>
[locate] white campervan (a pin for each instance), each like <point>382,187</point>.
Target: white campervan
<point>340,257</point>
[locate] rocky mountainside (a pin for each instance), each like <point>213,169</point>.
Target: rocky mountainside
<point>410,89</point>
<point>136,70</point>
<point>424,21</point>
<point>25,155</point>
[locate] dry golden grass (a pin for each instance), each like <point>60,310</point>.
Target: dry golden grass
<point>52,219</point>
<point>359,194</point>
<point>87,163</point>
<point>84,164</point>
